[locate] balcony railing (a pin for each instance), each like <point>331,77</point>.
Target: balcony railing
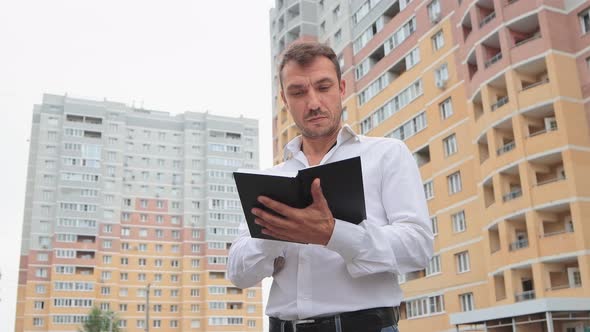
<point>544,182</point>
<point>524,296</point>
<point>512,195</point>
<point>530,86</point>
<point>563,231</point>
<point>524,41</point>
<point>520,244</point>
<point>501,102</point>
<point>493,59</point>
<point>487,19</point>
<point>506,148</point>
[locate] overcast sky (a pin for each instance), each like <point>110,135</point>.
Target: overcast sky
<point>172,56</point>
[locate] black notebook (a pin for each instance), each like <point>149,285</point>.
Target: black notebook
<point>341,182</point>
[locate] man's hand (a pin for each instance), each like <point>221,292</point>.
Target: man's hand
<point>314,224</point>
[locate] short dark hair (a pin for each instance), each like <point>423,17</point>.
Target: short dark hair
<point>303,53</point>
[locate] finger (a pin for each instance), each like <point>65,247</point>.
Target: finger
<point>316,192</point>
<point>277,226</point>
<point>281,235</point>
<point>269,217</point>
<point>280,208</point>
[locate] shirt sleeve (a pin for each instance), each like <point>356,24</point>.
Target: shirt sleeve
<point>405,243</point>
<point>250,259</point>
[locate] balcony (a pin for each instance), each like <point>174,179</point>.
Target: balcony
<point>466,26</point>
<point>519,244</point>
<point>524,30</point>
<point>512,195</point>
<point>493,59</point>
<point>488,193</point>
<point>533,78</point>
<point>494,239</point>
<point>477,106</point>
<point>499,103</point>
<point>487,19</point>
<point>506,148</point>
<point>422,156</point>
<point>524,296</point>
<point>500,286</point>
<point>525,290</point>
<point>517,227</point>
<point>548,169</point>
<point>483,148</point>
<point>562,273</point>
<point>472,67</point>
<point>504,137</point>
<point>556,229</point>
<point>491,49</point>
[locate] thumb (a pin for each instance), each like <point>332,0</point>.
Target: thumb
<point>316,192</point>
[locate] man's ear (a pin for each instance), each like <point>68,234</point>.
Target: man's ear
<point>342,87</point>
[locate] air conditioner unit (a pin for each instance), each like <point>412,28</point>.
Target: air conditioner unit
<point>550,124</point>
<point>441,84</point>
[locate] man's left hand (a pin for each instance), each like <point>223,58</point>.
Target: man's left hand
<point>313,224</point>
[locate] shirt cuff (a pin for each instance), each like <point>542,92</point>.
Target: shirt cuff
<point>270,248</point>
<point>346,239</point>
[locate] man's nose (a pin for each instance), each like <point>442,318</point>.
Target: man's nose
<point>313,101</point>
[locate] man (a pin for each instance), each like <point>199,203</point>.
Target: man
<point>334,275</point>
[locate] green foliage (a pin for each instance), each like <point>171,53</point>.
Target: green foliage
<point>99,321</point>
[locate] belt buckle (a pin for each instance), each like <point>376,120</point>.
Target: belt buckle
<point>294,323</point>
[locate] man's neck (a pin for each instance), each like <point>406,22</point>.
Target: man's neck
<point>316,148</point>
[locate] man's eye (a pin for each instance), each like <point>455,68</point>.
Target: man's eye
<point>297,93</point>
<point>324,88</point>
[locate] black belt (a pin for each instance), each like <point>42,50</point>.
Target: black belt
<point>363,320</point>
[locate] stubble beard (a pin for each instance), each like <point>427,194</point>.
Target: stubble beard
<point>321,131</point>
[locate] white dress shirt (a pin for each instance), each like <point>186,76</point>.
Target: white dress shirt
<point>358,267</point>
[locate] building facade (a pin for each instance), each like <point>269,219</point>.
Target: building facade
<point>133,211</point>
<point>493,98</point>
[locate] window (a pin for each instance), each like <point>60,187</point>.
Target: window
<point>434,222</point>
<point>458,221</point>
<point>409,128</point>
<point>446,108</point>
<point>434,11</point>
<point>40,289</point>
<point>454,182</point>
<point>37,321</point>
<point>425,306</point>
<point>39,305</point>
<point>450,145</point>
<point>433,266</point>
<point>585,21</point>
<point>400,35</point>
<point>251,293</point>
<point>441,75</point>
<point>467,303</point>
<point>438,40</point>
<point>429,190</point>
<point>251,323</point>
<point>338,37</point>
<point>462,260</point>
<point>337,12</point>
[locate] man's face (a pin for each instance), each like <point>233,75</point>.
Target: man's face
<point>313,96</point>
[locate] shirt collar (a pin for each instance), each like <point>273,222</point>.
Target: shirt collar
<point>294,146</point>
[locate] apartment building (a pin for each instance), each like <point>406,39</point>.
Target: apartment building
<point>493,98</point>
<point>133,211</point>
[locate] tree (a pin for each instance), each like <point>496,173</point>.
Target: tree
<point>100,321</point>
